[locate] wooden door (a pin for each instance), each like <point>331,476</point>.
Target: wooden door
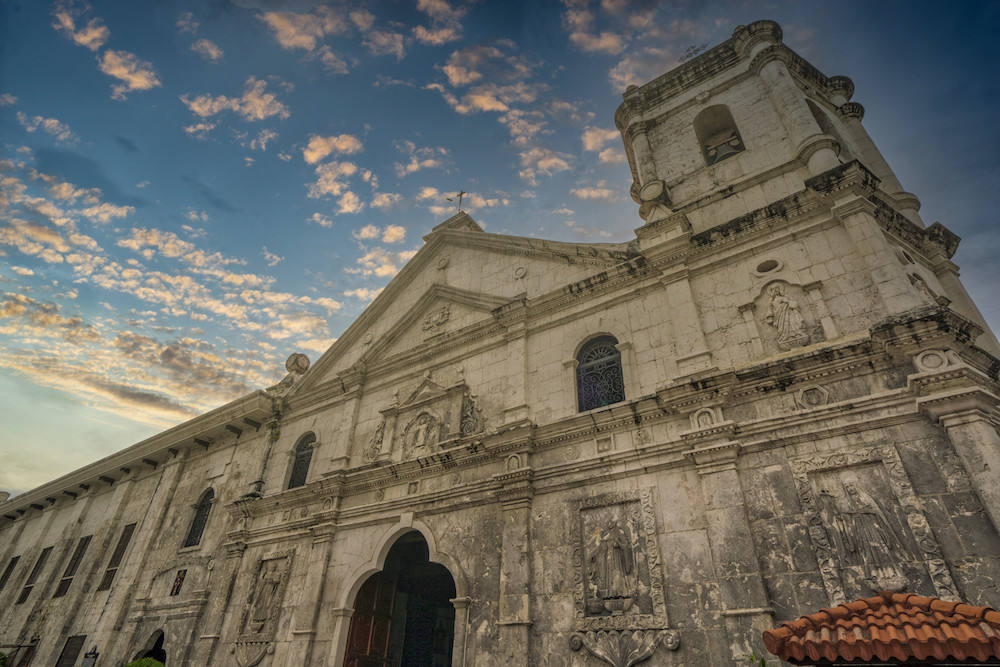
<point>371,623</point>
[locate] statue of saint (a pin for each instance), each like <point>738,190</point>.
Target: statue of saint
<point>267,594</point>
<point>612,567</point>
<point>783,314</point>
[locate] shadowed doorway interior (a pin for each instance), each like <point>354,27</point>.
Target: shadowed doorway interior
<point>403,616</point>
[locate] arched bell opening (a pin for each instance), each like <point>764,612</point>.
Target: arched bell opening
<point>403,615</point>
<point>153,648</point>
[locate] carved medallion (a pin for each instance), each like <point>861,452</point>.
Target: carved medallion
<point>436,319</point>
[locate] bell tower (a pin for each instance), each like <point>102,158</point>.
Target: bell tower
<point>741,126</point>
<point>750,141</point>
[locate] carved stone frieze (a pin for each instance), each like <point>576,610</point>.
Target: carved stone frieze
<point>436,319</point>
<point>866,525</point>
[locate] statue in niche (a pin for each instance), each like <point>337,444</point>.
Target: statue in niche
<point>866,537</point>
<point>422,431</point>
<point>783,314</point>
<point>266,598</point>
<point>612,570</point>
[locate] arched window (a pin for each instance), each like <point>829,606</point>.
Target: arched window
<point>303,456</point>
<point>717,134</point>
<point>200,519</point>
<point>599,379</point>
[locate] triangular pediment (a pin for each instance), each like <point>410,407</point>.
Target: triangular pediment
<point>458,278</point>
<point>427,389</point>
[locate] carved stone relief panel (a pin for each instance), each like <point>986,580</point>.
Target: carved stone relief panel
<point>867,527</point>
<point>263,606</point>
<point>620,607</point>
<point>786,316</point>
<point>429,418</point>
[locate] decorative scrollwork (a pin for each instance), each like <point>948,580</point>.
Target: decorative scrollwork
<point>472,417</point>
<point>624,649</point>
<point>374,447</point>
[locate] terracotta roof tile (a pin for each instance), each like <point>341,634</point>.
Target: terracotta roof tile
<point>890,626</point>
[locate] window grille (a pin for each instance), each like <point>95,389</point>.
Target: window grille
<point>8,571</point>
<point>74,564</point>
<point>116,557</point>
<point>599,379</point>
<point>71,651</point>
<point>303,457</point>
<point>30,583</point>
<point>200,519</point>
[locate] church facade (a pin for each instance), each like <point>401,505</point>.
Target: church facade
<point>778,396</point>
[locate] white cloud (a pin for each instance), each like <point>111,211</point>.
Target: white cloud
<point>332,62</point>
<point>22,271</point>
<point>366,232</point>
<point>186,23</point>
<point>321,220</point>
<point>135,74</point>
<point>270,257</point>
<point>385,43</point>
<point>7,100</point>
<point>263,137</point>
<point>594,138</point>
<point>386,200</point>
<point>330,179</point>
<point>613,155</point>
<point>320,147</point>
<point>539,160</point>
<point>254,105</point>
<point>92,36</point>
<point>364,293</point>
<point>599,192</point>
<point>52,126</point>
<point>349,203</point>
<point>208,50</point>
<point>420,158</point>
<point>304,31</point>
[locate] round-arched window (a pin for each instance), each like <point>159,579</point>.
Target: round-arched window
<point>599,379</point>
<point>201,512</point>
<point>303,457</point>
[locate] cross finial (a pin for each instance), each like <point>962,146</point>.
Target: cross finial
<point>461,193</point>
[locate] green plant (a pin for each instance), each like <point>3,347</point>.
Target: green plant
<point>3,660</point>
<point>144,662</point>
<point>756,660</point>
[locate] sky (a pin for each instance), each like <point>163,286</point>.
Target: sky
<point>191,191</point>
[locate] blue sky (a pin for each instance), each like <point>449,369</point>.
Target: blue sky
<point>191,191</point>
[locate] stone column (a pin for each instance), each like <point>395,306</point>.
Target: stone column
<point>459,645</point>
<point>819,305</point>
<point>223,579</point>
<point>746,609</point>
<point>693,354</point>
<point>789,101</point>
<point>307,610</point>
<point>857,215</point>
<point>955,397</point>
<point>515,492</point>
<point>643,151</point>
<point>146,535</point>
<point>909,205</point>
<point>514,316</point>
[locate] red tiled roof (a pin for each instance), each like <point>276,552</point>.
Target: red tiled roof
<point>890,626</point>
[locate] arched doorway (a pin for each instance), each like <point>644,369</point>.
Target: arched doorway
<point>403,615</point>
<point>154,648</point>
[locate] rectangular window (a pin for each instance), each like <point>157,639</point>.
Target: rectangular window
<point>8,571</point>
<point>30,583</point>
<point>178,582</point>
<point>74,563</point>
<point>116,557</point>
<point>71,651</point>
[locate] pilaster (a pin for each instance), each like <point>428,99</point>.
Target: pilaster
<point>746,608</point>
<point>514,490</point>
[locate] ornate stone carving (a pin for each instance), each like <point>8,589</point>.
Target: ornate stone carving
<point>436,319</point>
<point>858,538</point>
<point>422,431</point>
<point>783,314</point>
<point>374,447</point>
<point>624,649</point>
<point>472,417</point>
<point>621,614</point>
<point>263,606</point>
<point>812,396</point>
